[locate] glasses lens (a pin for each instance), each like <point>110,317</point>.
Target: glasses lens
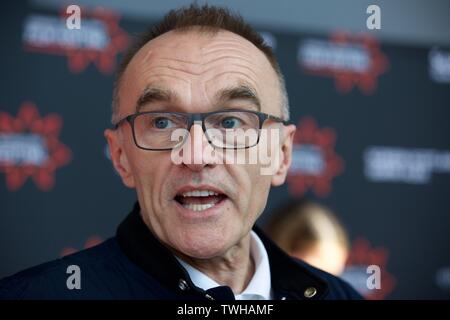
<point>160,130</point>
<point>232,129</point>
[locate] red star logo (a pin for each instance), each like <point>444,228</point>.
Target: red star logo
<point>325,162</point>
<point>79,55</point>
<point>54,154</point>
<point>367,81</point>
<point>363,254</point>
<point>105,60</point>
<point>345,79</point>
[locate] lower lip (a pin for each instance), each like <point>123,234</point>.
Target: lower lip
<point>215,210</point>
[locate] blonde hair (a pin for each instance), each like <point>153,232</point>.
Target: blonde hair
<point>303,225</point>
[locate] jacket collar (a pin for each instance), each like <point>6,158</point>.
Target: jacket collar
<point>290,279</point>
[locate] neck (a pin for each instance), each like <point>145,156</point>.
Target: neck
<point>234,269</point>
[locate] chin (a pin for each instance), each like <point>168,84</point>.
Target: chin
<point>204,246</point>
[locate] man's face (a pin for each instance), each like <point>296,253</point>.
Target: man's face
<point>194,70</point>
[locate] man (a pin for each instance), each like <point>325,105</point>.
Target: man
<point>186,95</point>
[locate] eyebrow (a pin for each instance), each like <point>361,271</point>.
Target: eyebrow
<point>155,94</point>
<point>240,92</point>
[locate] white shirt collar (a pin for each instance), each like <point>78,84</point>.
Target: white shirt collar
<point>259,287</point>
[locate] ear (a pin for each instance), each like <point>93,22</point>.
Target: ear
<point>285,155</point>
<point>119,157</point>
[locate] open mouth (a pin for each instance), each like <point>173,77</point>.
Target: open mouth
<point>199,200</point>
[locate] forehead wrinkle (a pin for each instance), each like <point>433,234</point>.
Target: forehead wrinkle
<point>252,67</point>
<point>241,52</point>
<point>227,56</point>
<point>203,67</point>
<point>235,39</point>
<point>219,61</point>
<point>170,75</point>
<point>228,45</point>
<point>223,47</point>
<point>231,54</point>
<point>203,51</point>
<point>178,60</point>
<point>209,70</point>
<point>221,40</point>
<point>242,49</point>
<point>245,52</point>
<point>179,69</point>
<point>145,71</point>
<point>249,83</point>
<point>155,50</point>
<point>158,62</point>
<point>202,62</point>
<point>179,65</point>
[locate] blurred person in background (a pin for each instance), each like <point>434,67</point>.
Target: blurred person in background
<point>311,232</point>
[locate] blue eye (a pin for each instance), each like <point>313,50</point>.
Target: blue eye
<point>162,123</point>
<point>230,122</point>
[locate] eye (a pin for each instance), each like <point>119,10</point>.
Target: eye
<point>162,123</point>
<point>230,122</point>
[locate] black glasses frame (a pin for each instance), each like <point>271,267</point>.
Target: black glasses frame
<point>197,117</point>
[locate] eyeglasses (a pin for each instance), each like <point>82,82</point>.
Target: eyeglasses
<point>228,129</point>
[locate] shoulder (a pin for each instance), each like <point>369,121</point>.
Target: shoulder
<point>50,280</point>
<point>338,289</point>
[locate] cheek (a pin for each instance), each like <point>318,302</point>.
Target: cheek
<point>255,186</point>
<point>149,170</point>
<point>261,191</point>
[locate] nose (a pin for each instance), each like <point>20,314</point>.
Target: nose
<point>197,151</point>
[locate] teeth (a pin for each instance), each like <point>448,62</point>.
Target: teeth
<point>198,207</point>
<point>199,193</point>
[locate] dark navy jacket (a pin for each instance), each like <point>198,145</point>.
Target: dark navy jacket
<point>135,265</point>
